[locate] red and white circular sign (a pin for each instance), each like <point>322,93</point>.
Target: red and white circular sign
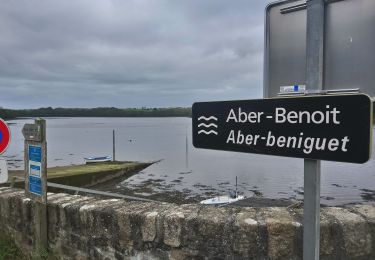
<point>4,136</point>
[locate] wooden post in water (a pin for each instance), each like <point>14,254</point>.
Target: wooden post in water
<point>114,146</point>
<point>186,151</point>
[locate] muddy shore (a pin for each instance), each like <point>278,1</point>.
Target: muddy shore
<point>186,196</point>
<point>156,189</point>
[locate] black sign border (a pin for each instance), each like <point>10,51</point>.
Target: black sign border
<point>362,95</point>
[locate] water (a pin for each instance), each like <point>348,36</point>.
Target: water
<point>202,172</point>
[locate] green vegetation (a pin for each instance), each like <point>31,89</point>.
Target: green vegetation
<point>73,170</point>
<point>100,112</point>
<point>43,254</point>
<point>8,249</point>
<point>86,175</point>
<point>7,114</point>
<point>86,169</point>
<point>96,112</point>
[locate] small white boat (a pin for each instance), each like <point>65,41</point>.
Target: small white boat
<point>225,199</point>
<point>98,159</point>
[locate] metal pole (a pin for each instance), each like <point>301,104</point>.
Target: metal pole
<point>312,168</point>
<point>114,146</point>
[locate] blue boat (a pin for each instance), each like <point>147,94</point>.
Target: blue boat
<point>98,159</point>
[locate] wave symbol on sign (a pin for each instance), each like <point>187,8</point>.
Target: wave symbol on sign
<point>207,118</point>
<point>207,133</point>
<point>207,126</point>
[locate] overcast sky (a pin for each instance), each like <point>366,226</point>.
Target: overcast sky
<point>123,53</point>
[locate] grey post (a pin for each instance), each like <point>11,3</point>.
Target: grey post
<point>314,81</point>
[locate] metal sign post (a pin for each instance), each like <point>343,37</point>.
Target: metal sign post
<point>297,32</point>
<point>312,168</point>
<point>36,176</point>
<point>3,171</point>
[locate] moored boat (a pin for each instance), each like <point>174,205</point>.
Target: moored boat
<point>225,199</point>
<point>98,159</point>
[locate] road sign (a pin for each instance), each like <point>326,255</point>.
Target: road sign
<point>349,39</point>
<point>334,128</point>
<point>35,153</point>
<point>32,132</point>
<point>4,136</point>
<point>3,171</point>
<point>34,169</point>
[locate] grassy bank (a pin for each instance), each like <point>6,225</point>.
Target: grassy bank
<point>74,170</point>
<point>87,175</point>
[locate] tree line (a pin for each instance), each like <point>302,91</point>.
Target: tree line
<point>101,112</point>
<point>96,112</point>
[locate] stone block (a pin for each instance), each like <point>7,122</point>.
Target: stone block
<point>357,235</point>
<point>148,228</point>
<point>281,233</point>
<point>172,228</point>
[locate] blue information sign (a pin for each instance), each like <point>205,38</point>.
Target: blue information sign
<point>35,159</point>
<point>35,185</point>
<point>35,153</point>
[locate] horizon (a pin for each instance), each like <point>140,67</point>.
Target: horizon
<point>91,108</point>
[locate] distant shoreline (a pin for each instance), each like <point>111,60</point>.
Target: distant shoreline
<point>8,114</point>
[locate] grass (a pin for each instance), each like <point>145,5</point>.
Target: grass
<point>85,175</point>
<point>8,249</point>
<point>64,171</point>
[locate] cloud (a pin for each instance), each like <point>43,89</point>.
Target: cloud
<point>88,53</point>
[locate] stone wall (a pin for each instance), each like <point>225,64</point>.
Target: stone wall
<point>81,227</point>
